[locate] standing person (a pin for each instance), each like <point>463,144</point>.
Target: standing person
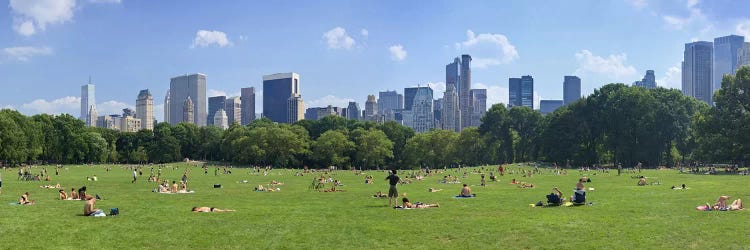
<point>1,183</point>
<point>483,181</point>
<point>185,177</point>
<point>135,176</point>
<point>392,179</point>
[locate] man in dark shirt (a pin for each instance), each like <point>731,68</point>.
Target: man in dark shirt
<point>392,179</point>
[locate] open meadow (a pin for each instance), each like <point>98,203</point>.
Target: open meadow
<point>622,215</point>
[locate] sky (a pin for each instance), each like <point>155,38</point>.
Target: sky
<point>343,50</point>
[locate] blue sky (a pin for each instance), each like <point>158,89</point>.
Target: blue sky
<point>343,50</point>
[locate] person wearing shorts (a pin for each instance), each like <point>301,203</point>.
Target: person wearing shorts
<point>392,179</point>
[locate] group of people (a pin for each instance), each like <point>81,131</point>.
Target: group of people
<point>721,205</point>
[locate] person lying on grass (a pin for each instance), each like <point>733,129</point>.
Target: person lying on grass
<point>525,185</point>
<point>721,205</point>
<point>407,204</point>
<point>210,209</point>
<point>380,195</point>
<point>24,200</point>
<point>465,191</point>
<point>432,190</point>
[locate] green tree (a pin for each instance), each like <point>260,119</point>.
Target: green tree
<point>372,147</point>
<point>332,149</point>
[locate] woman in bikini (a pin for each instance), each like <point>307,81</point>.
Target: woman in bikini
<point>24,200</point>
<point>210,210</point>
<point>407,204</point>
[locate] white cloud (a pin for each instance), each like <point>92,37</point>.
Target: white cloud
<point>205,38</point>
<point>337,38</point>
<point>365,33</point>
<point>328,100</point>
<point>488,49</point>
<point>692,3</point>
<point>614,66</point>
<point>743,28</point>
<point>639,4</point>
<point>111,107</point>
<point>213,92</point>
<point>25,53</point>
<point>695,17</point>
<point>495,93</point>
<point>11,107</point>
<point>438,88</point>
<point>33,15</point>
<point>673,77</point>
<point>69,104</point>
<point>397,52</point>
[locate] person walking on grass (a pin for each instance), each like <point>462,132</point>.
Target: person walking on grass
<point>135,176</point>
<point>392,179</point>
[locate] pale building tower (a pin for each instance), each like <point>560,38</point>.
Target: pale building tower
<point>92,116</point>
<point>422,110</point>
<point>247,98</point>
<point>451,113</point>
<point>220,119</point>
<point>295,109</point>
<point>144,109</point>
<point>166,107</point>
<point>182,87</point>
<point>464,97</point>
<point>233,108</point>
<point>187,111</point>
<point>88,99</point>
<point>371,108</point>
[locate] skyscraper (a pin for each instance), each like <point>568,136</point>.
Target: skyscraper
<point>451,113</point>
<point>479,106</point>
<point>352,111</point>
<point>371,108</point>
<point>215,103</point>
<point>571,89</point>
<point>463,91</point>
<point>92,116</point>
<point>388,101</point>
<point>409,94</point>
<point>247,97</point>
<point>743,55</point>
<point>167,106</point>
<point>182,87</point>
<point>277,89</point>
<point>87,100</point>
<point>188,113</point>
<point>696,71</point>
<point>128,112</point>
<point>420,117</point>
<point>233,107</point>
<point>514,92</point>
<point>549,106</point>
<point>725,57</point>
<point>220,119</point>
<point>144,109</point>
<point>527,91</point>
<point>649,80</point>
<point>452,74</point>
<point>296,109</point>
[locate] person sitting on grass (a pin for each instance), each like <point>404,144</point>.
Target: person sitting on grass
<point>24,200</point>
<point>89,209</point>
<point>407,204</point>
<point>721,203</point>
<point>210,210</point>
<point>260,188</point>
<point>63,195</point>
<point>466,192</point>
<point>555,198</point>
<point>642,181</point>
<point>174,187</point>
<point>74,194</point>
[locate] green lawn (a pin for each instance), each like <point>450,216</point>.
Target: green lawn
<point>622,216</point>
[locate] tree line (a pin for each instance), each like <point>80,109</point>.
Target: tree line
<point>615,124</point>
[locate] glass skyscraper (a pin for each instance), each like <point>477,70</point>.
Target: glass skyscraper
<point>648,81</point>
<point>571,89</point>
<point>277,89</point>
<point>725,57</point>
<point>215,103</point>
<point>182,87</point>
<point>247,97</point>
<point>389,100</point>
<point>464,97</point>
<point>88,99</point>
<point>696,71</point>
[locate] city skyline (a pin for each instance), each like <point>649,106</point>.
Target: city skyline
<point>367,54</point>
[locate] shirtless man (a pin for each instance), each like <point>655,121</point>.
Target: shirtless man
<point>465,191</point>
<point>407,204</point>
<point>63,195</point>
<point>88,207</point>
<point>210,209</point>
<point>174,187</point>
<point>73,194</point>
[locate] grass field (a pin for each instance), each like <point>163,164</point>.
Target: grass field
<point>622,216</point>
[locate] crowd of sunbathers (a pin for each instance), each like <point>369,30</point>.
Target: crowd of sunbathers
<point>721,205</point>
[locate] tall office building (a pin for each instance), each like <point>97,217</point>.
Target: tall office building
<point>92,116</point>
<point>215,103</point>
<point>549,106</point>
<point>182,87</point>
<point>725,57</point>
<point>437,112</point>
<point>247,97</point>
<point>464,98</point>
<point>87,100</point>
<point>696,71</point>
<point>352,111</point>
<point>514,92</point>
<point>188,111</point>
<point>409,94</point>
<point>277,89</point>
<point>371,108</point>
<point>452,74</point>
<point>295,108</point>
<point>233,107</point>
<point>479,106</point>
<point>571,89</point>
<point>451,113</point>
<point>527,91</point>
<point>144,109</point>
<point>420,117</point>
<point>743,55</point>
<point>220,119</point>
<point>167,106</point>
<point>388,101</point>
<point>648,81</point>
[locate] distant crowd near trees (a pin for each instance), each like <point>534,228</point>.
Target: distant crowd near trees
<point>615,124</point>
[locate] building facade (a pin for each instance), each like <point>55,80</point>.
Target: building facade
<point>88,99</point>
<point>571,89</point>
<point>743,55</point>
<point>296,109</point>
<point>144,109</point>
<point>215,103</point>
<point>451,113</point>
<point>549,106</point>
<point>220,119</point>
<point>167,106</point>
<point>130,124</point>
<point>725,57</point>
<point>371,108</point>
<point>233,108</point>
<point>422,119</point>
<point>277,89</point>
<point>514,92</point>
<point>188,113</point>
<point>247,97</point>
<point>182,87</point>
<point>389,101</point>
<point>479,106</point>
<point>696,71</point>
<point>648,81</point>
<point>464,98</point>
<point>353,111</point>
